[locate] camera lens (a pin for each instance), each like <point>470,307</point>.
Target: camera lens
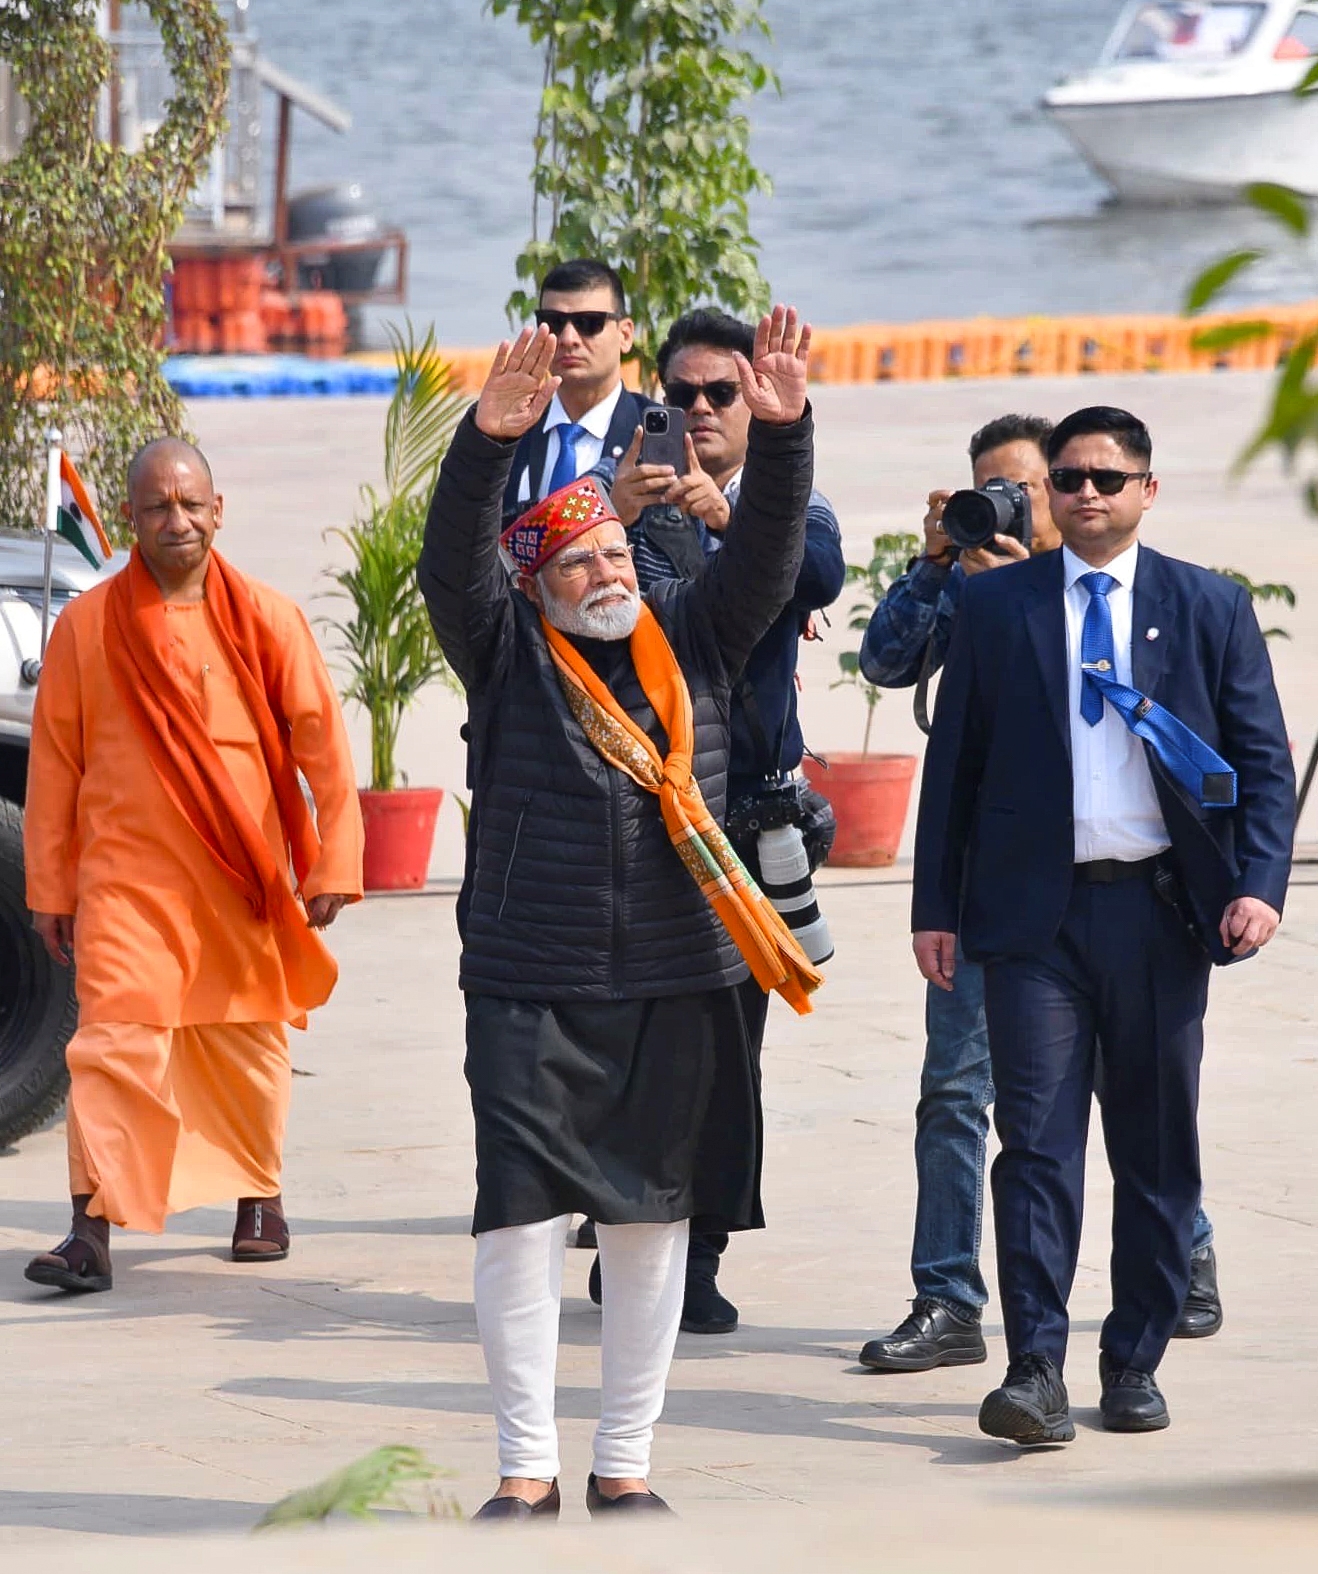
<point>785,880</point>
<point>998,508</point>
<point>656,421</point>
<point>970,519</point>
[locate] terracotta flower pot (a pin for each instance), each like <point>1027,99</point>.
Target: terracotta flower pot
<point>400,831</point>
<point>870,794</point>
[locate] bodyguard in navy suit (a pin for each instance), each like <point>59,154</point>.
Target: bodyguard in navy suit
<point>592,417</point>
<point>1108,807</point>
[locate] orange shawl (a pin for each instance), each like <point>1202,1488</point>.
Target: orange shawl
<point>179,745</point>
<point>764,940</point>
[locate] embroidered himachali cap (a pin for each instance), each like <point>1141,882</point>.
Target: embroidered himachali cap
<point>547,527</point>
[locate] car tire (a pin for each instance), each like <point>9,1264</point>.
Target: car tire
<point>38,1005</point>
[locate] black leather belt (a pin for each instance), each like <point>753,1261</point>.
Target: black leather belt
<point>1107,871</point>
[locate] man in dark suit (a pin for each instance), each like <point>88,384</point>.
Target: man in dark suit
<point>592,417</point>
<point>1108,806</point>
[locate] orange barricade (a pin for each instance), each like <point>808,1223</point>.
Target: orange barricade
<point>1048,346</point>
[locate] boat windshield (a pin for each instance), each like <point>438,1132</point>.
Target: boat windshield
<point>1190,32</point>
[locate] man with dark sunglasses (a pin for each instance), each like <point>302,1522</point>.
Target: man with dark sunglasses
<point>908,635</point>
<point>1108,808</point>
<point>592,416</point>
<point>673,524</point>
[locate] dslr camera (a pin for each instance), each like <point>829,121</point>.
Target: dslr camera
<point>778,816</point>
<point>974,516</point>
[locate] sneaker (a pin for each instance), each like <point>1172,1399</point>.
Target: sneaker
<point>1031,1406</point>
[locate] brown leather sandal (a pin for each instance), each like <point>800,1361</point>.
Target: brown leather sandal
<point>261,1231</point>
<point>75,1264</point>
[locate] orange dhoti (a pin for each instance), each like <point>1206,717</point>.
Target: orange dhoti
<point>165,1119</point>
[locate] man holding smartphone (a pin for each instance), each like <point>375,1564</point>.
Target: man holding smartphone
<point>592,416</point>
<point>675,513</point>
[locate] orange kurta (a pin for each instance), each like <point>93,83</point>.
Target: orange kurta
<point>161,936</point>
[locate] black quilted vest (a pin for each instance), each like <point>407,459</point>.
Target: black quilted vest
<point>575,891</point>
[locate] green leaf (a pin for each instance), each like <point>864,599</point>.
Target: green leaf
<point>1286,206</point>
<point>1308,83</point>
<point>1226,335</point>
<point>376,1481</point>
<point>1215,278</point>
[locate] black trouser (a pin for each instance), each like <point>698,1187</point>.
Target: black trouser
<point>1123,971</point>
<point>707,1246</point>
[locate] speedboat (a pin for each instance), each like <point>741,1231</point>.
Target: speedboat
<point>1191,102</point>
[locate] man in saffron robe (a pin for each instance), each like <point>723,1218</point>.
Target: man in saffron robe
<point>169,848</point>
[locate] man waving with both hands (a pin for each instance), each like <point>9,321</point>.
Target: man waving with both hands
<point>607,921</point>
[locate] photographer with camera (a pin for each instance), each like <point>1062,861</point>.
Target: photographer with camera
<point>675,514</point>
<point>906,642</point>
<point>910,628</point>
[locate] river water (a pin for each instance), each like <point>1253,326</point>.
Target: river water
<point>914,174</point>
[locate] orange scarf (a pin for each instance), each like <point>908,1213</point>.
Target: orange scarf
<point>178,742</point>
<point>764,940</point>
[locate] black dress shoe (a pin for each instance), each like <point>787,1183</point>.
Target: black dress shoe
<point>1031,1406</point>
<point>595,1284</point>
<point>512,1509</point>
<point>586,1238</point>
<point>1131,1400</point>
<point>931,1336</point>
<point>628,1503</point>
<point>704,1310</point>
<point>1201,1311</point>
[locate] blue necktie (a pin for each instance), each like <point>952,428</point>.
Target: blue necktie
<point>1200,770</point>
<point>565,466</point>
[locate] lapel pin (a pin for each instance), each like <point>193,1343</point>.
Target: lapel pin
<point>1151,633</point>
<point>617,453</point>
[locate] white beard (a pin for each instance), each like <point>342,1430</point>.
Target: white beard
<point>589,620</point>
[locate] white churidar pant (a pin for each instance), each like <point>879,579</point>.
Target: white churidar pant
<point>519,1287</point>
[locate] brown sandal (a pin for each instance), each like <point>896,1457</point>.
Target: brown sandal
<point>261,1231</point>
<point>75,1264</point>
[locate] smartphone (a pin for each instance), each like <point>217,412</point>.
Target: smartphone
<point>663,438</point>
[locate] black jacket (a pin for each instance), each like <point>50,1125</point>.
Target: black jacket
<point>575,891</point>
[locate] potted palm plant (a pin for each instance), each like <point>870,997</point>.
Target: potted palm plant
<point>384,639</point>
<point>870,793</point>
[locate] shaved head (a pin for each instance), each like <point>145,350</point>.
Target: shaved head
<point>166,448</point>
<point>175,511</point>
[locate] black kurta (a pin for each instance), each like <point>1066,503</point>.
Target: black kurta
<point>630,1111</point>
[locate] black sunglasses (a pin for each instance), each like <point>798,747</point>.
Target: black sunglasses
<point>1107,483</point>
<point>682,396</point>
<point>588,324</point>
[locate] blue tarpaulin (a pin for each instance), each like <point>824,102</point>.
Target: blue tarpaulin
<point>274,376</point>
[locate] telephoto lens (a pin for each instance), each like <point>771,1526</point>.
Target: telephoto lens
<point>785,880</point>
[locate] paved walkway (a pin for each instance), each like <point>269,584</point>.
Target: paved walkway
<point>198,1392</point>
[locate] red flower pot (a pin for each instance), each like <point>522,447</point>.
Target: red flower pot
<point>870,794</point>
<point>400,831</point>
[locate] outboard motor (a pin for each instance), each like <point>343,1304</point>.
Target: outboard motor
<point>335,213</point>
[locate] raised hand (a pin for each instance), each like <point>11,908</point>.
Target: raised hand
<point>518,388</point>
<point>773,382</point>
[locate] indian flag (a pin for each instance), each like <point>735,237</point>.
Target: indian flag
<point>77,522</point>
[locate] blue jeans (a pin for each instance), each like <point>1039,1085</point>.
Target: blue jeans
<point>951,1134</point>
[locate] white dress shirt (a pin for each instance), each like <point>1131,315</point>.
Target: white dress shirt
<point>590,446</point>
<point>1116,808</point>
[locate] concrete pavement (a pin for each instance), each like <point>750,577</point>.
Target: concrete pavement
<point>198,1392</point>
